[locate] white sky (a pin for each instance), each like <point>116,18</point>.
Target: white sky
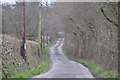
<point>62,0</point>
<point>7,1</point>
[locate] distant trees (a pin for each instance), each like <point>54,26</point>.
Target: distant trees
<point>12,19</point>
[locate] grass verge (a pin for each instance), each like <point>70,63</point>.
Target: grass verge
<point>0,75</point>
<point>101,72</point>
<point>44,66</point>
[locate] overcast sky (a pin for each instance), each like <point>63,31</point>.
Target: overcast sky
<point>13,1</point>
<point>27,0</point>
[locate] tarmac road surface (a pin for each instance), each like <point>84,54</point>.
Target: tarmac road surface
<point>62,67</point>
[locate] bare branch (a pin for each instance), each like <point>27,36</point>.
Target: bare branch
<point>102,10</point>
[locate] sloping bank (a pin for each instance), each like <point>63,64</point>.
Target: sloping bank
<point>96,70</point>
<point>13,64</point>
<point>42,68</point>
<point>0,57</point>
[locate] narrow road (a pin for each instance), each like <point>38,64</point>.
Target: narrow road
<point>62,67</point>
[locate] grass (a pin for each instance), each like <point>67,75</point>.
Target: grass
<point>101,72</point>
<point>44,66</point>
<point>0,75</point>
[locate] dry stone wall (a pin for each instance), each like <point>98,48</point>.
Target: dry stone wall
<point>12,61</point>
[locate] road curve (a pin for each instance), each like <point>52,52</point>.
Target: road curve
<point>62,67</point>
